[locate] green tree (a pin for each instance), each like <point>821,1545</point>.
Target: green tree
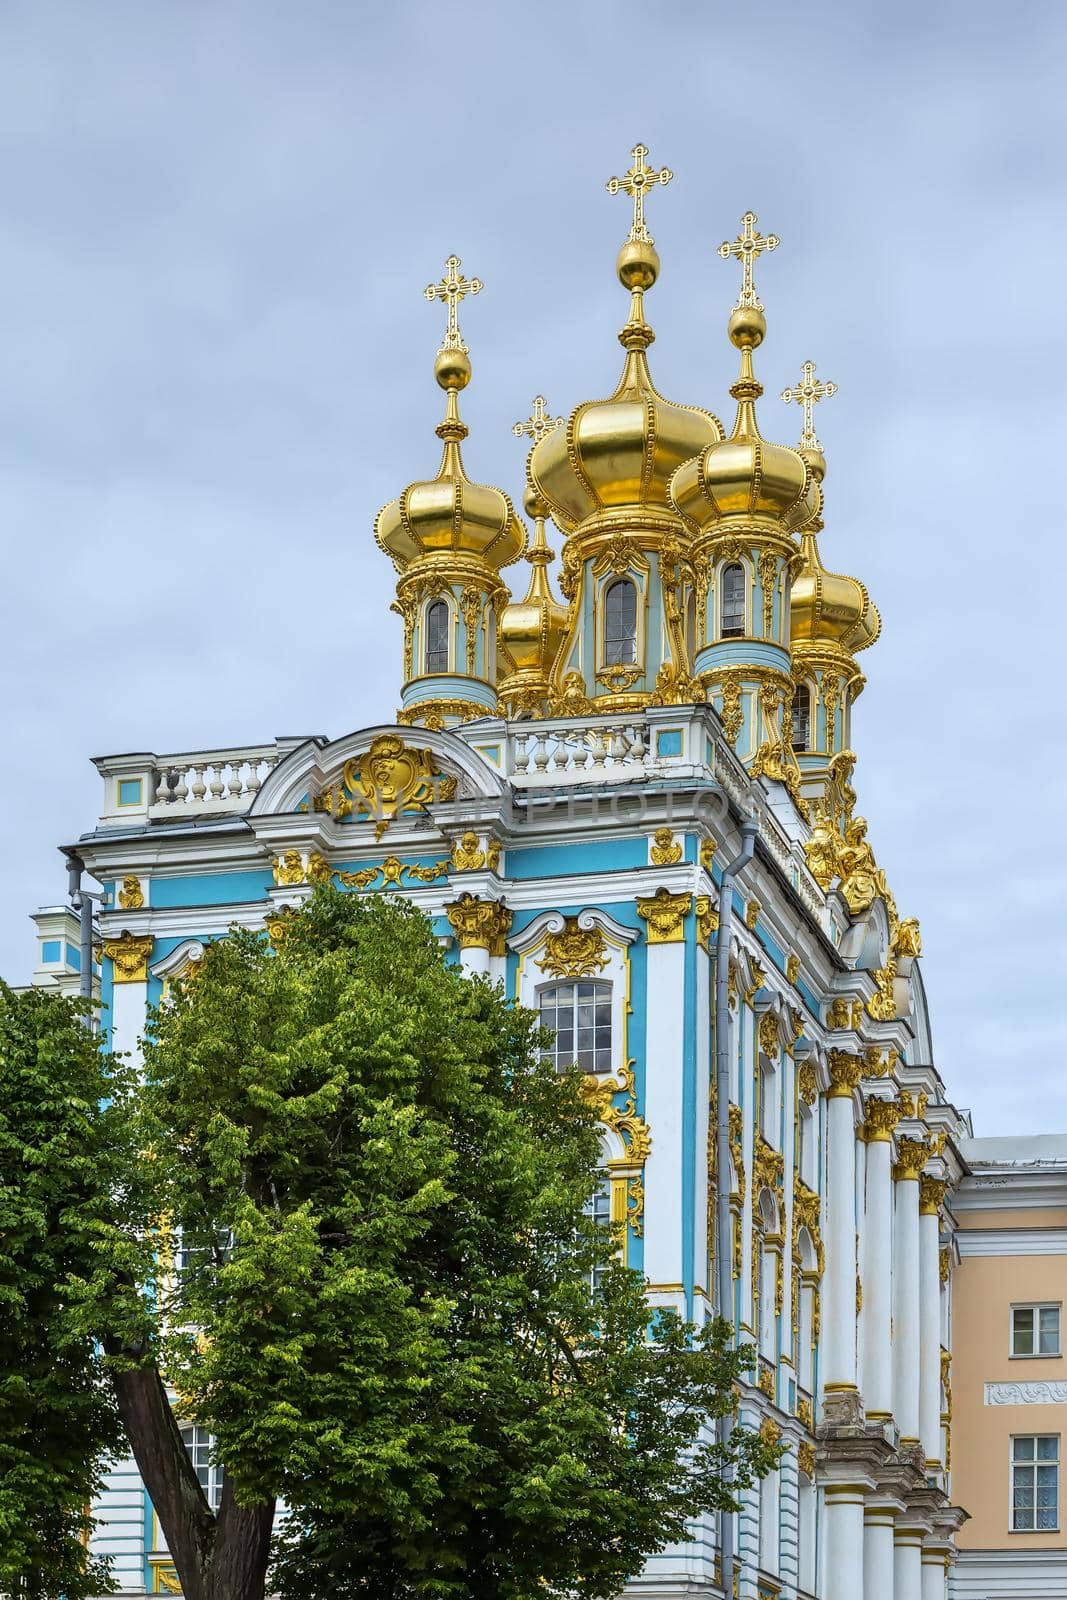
<point>394,1312</point>
<point>63,1162</point>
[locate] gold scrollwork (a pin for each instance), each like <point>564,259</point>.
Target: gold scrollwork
<point>388,778</point>
<point>792,968</point>
<point>806,1458</point>
<point>846,1070</point>
<point>479,924</point>
<point>574,952</point>
<point>807,1083</point>
<point>665,914</point>
<point>624,1119</point>
<point>635,1206</point>
<point>392,872</point>
<point>769,1039</point>
<point>912,1156</point>
<point>707,919</point>
<point>129,954</point>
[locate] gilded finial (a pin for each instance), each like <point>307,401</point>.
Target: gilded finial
<point>453,288</point>
<point>637,182</point>
<point>807,393</point>
<point>538,423</point>
<point>747,248</point>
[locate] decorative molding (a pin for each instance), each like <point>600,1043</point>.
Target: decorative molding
<point>664,849</point>
<point>129,955</point>
<point>479,924</point>
<point>574,952</point>
<point>1037,1392</point>
<point>665,914</point>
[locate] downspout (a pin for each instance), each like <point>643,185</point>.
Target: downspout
<point>81,900</point>
<point>723,1230</point>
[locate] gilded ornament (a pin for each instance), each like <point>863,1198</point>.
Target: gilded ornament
<point>792,968</point>
<point>846,1070</point>
<point>288,868</point>
<point>492,854</point>
<point>806,1459</point>
<point>770,1042</point>
<point>707,853</point>
<point>538,424</point>
<point>881,1120</point>
<point>807,1083</point>
<point>318,868</point>
<point>857,1015</point>
<point>765,1382</point>
<point>804,1414</point>
<point>574,952</point>
<point>467,854</point>
<point>796,1024</point>
<point>131,895</point>
<point>779,1283</point>
<point>392,777</point>
<point>747,248</point>
<point>358,880</point>
<point>944,1265</point>
<point>859,1294</point>
<point>665,914</point>
<point>839,1013</point>
<point>432,714</point>
<point>623,1119</point>
<point>129,955</point>
<point>807,393</point>
<point>756,975</point>
<point>922,1103</point>
<point>470,603</point>
<point>571,700</point>
<point>806,1215</point>
<point>821,849</point>
<point>277,924</point>
<point>707,919</point>
<point>873,1064</point>
<point>931,1196</point>
<point>168,1578</point>
<point>906,1100</point>
<point>731,984</point>
<point>769,1431</point>
<point>768,577</point>
<point>882,1005</point>
<point>736,1134</point>
<point>635,1206</point>
<point>862,880</point>
<point>392,872</point>
<point>452,289</point>
<point>637,183</point>
<point>908,941</point>
<point>665,850</point>
<point>479,924</point>
<point>768,1168</point>
<point>912,1156</point>
<point>731,713</point>
<point>752,911</point>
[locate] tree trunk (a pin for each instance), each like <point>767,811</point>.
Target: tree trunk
<point>216,1558</point>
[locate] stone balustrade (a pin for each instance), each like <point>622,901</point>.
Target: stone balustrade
<point>206,781</point>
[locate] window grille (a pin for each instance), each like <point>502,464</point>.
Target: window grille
<point>437,628</point>
<point>620,624</point>
<point>580,1016</point>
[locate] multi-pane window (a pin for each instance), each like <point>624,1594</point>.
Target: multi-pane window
<point>437,637</point>
<point>732,598</point>
<point>801,716</point>
<point>1035,1483</point>
<point>598,1206</point>
<point>199,1444</point>
<point>580,1016</point>
<point>1035,1330</point>
<point>620,624</point>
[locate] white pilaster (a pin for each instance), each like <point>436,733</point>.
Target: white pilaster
<point>474,961</point>
<point>839,1284</point>
<point>906,1338</point>
<point>665,1012</point>
<point>703,1073</point>
<point>878,1553</point>
<point>907,1562</point>
<point>878,1274</point>
<point>931,1194</point>
<point>842,1563</point>
<point>934,1575</point>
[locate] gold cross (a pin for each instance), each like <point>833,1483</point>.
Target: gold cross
<point>636,183</point>
<point>538,423</point>
<point>807,393</point>
<point>748,247</point>
<point>453,288</point>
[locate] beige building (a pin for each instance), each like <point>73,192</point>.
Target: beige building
<point>1008,1380</point>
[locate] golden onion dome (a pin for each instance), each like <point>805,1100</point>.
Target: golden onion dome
<point>828,608</point>
<point>448,514</point>
<point>745,477</point>
<point>621,452</point>
<point>531,629</point>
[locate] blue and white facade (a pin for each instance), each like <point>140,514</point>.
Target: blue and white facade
<point>559,794</point>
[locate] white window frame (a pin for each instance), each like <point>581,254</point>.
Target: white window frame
<point>424,641</point>
<point>603,991</point>
<point>532,977</point>
<point>746,598</point>
<point>1036,1307</point>
<point>202,1439</point>
<point>1013,1464</point>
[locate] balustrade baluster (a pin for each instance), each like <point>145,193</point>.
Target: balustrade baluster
<point>163,787</point>
<point>214,788</point>
<point>181,788</point>
<point>199,787</point>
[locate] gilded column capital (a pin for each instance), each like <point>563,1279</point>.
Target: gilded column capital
<point>931,1196</point>
<point>665,914</point>
<point>129,955</point>
<point>846,1070</point>
<point>707,919</point>
<point>912,1156</point>
<point>880,1121</point>
<point>479,924</point>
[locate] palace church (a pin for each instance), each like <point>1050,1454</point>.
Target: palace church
<point>623,784</point>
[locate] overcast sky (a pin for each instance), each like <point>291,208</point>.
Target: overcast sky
<point>216,364</point>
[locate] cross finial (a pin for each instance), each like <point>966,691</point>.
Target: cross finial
<point>637,183</point>
<point>807,393</point>
<point>538,423</point>
<point>453,288</point>
<point>748,247</point>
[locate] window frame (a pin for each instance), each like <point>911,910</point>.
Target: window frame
<point>635,639</point>
<point>801,688</point>
<point>1035,1307</point>
<point>427,670</point>
<point>742,631</point>
<point>1033,1464</point>
<point>603,994</point>
<point>216,1472</point>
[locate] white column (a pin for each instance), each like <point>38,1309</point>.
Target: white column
<point>906,1340</point>
<point>878,1552</point>
<point>839,1282</point>
<point>480,927</point>
<point>907,1562</point>
<point>129,955</point>
<point>702,1266</point>
<point>934,1575</point>
<point>931,1194</point>
<point>665,1021</point>
<point>474,960</point>
<point>842,1564</point>
<point>878,1262</point>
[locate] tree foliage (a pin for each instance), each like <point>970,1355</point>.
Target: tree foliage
<point>394,1312</point>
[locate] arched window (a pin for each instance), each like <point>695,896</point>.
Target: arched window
<point>620,624</point>
<point>692,643</point>
<point>801,716</point>
<point>732,601</point>
<point>437,630</point>
<point>580,1016</point>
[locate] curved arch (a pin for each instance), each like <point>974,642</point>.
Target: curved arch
<point>620,623</point>
<point>865,946</point>
<point>315,764</point>
<point>920,1052</point>
<point>436,639</point>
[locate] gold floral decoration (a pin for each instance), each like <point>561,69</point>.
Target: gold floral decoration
<point>129,955</point>
<point>393,873</point>
<point>623,1119</point>
<point>665,914</point>
<point>388,778</point>
<point>479,924</point>
<point>792,968</point>
<point>806,1458</point>
<point>574,952</point>
<point>707,919</point>
<point>318,868</point>
<point>912,1156</point>
<point>770,1042</point>
<point>635,1206</point>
